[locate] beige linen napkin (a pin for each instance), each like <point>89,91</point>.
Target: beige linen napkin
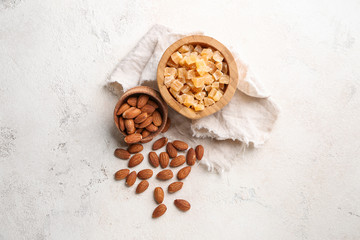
<point>247,120</point>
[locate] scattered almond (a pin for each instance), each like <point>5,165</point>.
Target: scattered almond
<point>145,174</point>
<point>121,124</point>
<point>159,211</point>
<point>135,148</point>
<point>154,159</point>
<point>171,150</point>
<point>131,179</point>
<point>159,143</point>
<point>143,185</point>
<point>167,125</point>
<point>132,112</point>
<point>182,204</point>
<point>132,101</point>
<point>184,172</point>
<point>122,109</point>
<point>122,153</point>
<point>165,174</point>
<point>157,119</point>
<point>142,100</point>
<point>159,195</point>
<point>152,128</point>
<point>133,138</point>
<point>146,123</point>
<point>180,145</point>
<point>135,160</point>
<point>191,157</point>
<point>175,186</point>
<point>129,125</point>
<point>141,118</point>
<point>199,150</point>
<point>122,174</point>
<point>177,161</point>
<point>164,159</point>
<point>148,109</point>
<point>152,103</point>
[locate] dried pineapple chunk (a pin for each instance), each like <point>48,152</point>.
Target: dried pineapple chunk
<point>215,85</point>
<point>190,59</point>
<point>224,79</point>
<point>219,65</point>
<point>208,88</point>
<point>190,74</point>
<point>176,57</point>
<point>182,62</point>
<point>176,85</point>
<point>191,47</point>
<point>180,98</point>
<point>185,89</point>
<point>200,95</point>
<point>207,52</point>
<point>196,90</point>
<point>208,101</point>
<point>211,67</point>
<point>188,100</point>
<point>212,93</point>
<point>208,79</point>
<point>181,73</point>
<point>168,80</point>
<point>199,107</point>
<point>190,83</point>
<point>171,63</point>
<point>217,74</point>
<point>217,56</point>
<point>217,96</point>
<point>174,93</point>
<point>198,49</point>
<point>198,82</point>
<point>184,49</point>
<point>170,72</point>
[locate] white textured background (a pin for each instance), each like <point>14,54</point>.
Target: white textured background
<point>57,135</point>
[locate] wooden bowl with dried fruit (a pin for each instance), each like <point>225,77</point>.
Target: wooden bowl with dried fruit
<point>197,76</point>
<point>140,114</point>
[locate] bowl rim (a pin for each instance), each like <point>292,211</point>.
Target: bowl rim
<point>233,74</point>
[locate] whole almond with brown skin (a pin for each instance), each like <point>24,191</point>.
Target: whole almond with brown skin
<point>154,159</point>
<point>131,179</point>
<point>180,145</point>
<point>146,123</point>
<point>199,150</point>
<point>164,159</point>
<point>157,119</point>
<point>139,130</point>
<point>143,185</point>
<point>142,100</point>
<point>122,153</point>
<point>122,174</point>
<point>167,125</point>
<point>152,128</point>
<point>191,157</point>
<point>129,125</point>
<point>132,112</point>
<point>135,148</point>
<point>171,150</point>
<point>160,143</point>
<point>148,109</point>
<point>132,101</point>
<point>147,140</point>
<point>184,172</point>
<point>159,211</point>
<point>175,186</point>
<point>182,204</point>
<point>145,174</point>
<point>142,117</point>
<point>178,161</point>
<point>133,138</point>
<point>165,174</point>
<point>122,109</point>
<point>152,103</point>
<point>135,160</point>
<point>121,124</point>
<point>145,133</point>
<point>159,195</point>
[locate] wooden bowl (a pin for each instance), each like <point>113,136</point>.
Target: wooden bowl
<point>155,96</point>
<point>203,41</point>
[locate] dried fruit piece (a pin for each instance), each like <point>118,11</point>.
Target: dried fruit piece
<point>184,172</point>
<point>171,150</point>
<point>145,174</point>
<point>142,100</point>
<point>135,148</point>
<point>132,112</point>
<point>167,125</point>
<point>129,125</point>
<point>121,124</point>
<point>143,185</point>
<point>182,204</point>
<point>148,109</point>
<point>131,179</point>
<point>135,160</point>
<point>141,118</point>
<point>180,145</point>
<point>122,174</point>
<point>191,157</point>
<point>165,174</point>
<point>159,143</point>
<point>178,161</point>
<point>164,159</point>
<point>199,151</point>
<point>159,195</point>
<point>146,123</point>
<point>132,101</point>
<point>175,186</point>
<point>152,128</point>
<point>154,159</point>
<point>122,153</point>
<point>122,108</point>
<point>152,103</point>
<point>159,211</point>
<point>157,119</point>
<point>133,138</point>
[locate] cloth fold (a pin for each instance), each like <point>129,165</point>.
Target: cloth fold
<point>247,119</point>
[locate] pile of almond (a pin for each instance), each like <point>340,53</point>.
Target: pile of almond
<point>171,157</point>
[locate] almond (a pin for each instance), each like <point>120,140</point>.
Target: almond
<point>121,124</point>
<point>121,174</point>
<point>167,125</point>
<point>145,133</point>
<point>180,145</point>
<point>182,204</point>
<point>122,153</point>
<point>175,186</point>
<point>132,101</point>
<point>159,211</point>
<point>122,109</point>
<point>143,185</point>
<point>131,113</point>
<point>142,100</point>
<point>152,128</point>
<point>191,157</point>
<point>164,159</point>
<point>145,174</point>
<point>157,119</point>
<point>133,138</point>
<point>135,160</point>
<point>148,109</point>
<point>131,178</point>
<point>199,150</point>
<point>171,150</point>
<point>142,117</point>
<point>152,103</point>
<point>129,125</point>
<point>159,143</point>
<point>139,130</point>
<point>135,148</point>
<point>147,140</point>
<point>178,161</point>
<point>146,122</point>
<point>159,195</point>
<point>184,172</point>
<point>154,159</point>
<point>165,174</point>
